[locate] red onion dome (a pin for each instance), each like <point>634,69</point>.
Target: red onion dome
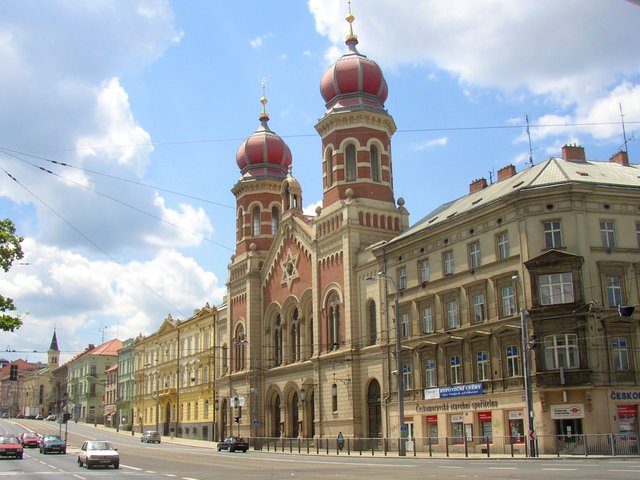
<point>353,80</point>
<point>264,153</point>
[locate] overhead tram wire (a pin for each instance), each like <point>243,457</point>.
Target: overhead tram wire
<point>8,151</point>
<point>93,243</point>
<point>121,202</point>
<point>515,126</point>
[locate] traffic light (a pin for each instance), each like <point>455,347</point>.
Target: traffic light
<point>237,419</point>
<point>65,417</point>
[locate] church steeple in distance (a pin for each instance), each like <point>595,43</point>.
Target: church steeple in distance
<point>54,351</point>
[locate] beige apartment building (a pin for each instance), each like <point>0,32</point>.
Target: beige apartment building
<point>560,239</point>
<point>174,377</point>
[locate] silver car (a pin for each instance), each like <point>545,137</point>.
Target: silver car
<point>98,452</point>
<point>150,436</point>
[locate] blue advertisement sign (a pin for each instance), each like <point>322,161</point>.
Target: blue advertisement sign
<point>461,390</point>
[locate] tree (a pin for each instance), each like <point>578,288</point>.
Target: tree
<point>10,250</point>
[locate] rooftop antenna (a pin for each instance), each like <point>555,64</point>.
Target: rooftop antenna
<point>624,133</point>
<point>526,117</point>
<point>102,330</point>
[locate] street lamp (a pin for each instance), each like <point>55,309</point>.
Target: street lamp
<point>524,336</point>
<point>399,379</point>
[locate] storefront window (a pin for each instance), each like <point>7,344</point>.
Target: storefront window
<point>516,426</point>
<point>486,429</point>
<point>457,429</point>
<point>628,420</point>
<point>432,428</point>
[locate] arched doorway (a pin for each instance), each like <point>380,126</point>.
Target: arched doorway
<point>295,417</point>
<point>374,410</point>
<point>225,419</point>
<point>167,420</point>
<point>275,427</point>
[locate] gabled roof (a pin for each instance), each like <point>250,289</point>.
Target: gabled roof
<point>109,348</point>
<point>552,172</point>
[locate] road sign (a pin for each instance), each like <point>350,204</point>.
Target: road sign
<point>256,422</point>
<point>532,435</point>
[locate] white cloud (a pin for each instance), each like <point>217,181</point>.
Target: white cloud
<point>436,142</point>
<point>311,209</point>
<point>575,53</point>
<point>256,42</point>
<point>78,296</point>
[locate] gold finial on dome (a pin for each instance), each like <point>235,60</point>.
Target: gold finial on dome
<point>350,18</point>
<point>264,100</point>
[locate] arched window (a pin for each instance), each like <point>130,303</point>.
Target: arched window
<point>277,342</point>
<point>375,163</point>
<point>329,165</point>
<point>275,220</point>
<point>239,232</point>
<point>310,331</point>
<point>333,322</point>
<point>295,336</point>
<point>240,344</point>
<point>373,324</point>
<point>351,163</point>
<point>255,221</point>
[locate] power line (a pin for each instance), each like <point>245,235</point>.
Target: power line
<point>89,240</point>
<point>16,153</point>
<point>116,200</point>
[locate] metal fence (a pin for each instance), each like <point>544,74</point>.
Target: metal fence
<point>544,445</point>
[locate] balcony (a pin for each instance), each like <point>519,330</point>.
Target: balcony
<point>573,377</point>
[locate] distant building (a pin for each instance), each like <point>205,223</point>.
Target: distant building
<point>174,380</point>
<point>87,379</point>
<point>28,388</point>
<point>126,385</point>
<point>11,392</point>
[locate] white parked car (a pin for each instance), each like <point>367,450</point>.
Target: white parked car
<point>98,452</point>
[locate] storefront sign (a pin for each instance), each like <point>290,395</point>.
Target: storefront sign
<point>453,391</point>
<point>459,406</point>
<point>566,412</point>
<point>516,415</point>
<point>484,416</point>
<point>624,395</point>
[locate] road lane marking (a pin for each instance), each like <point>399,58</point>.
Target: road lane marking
<point>561,469</point>
<point>332,462</point>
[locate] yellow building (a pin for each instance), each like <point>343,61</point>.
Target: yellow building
<point>174,387</point>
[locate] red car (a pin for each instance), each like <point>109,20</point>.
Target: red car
<point>30,440</point>
<point>10,446</point>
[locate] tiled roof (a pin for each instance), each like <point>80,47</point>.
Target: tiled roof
<point>109,348</point>
<point>554,171</point>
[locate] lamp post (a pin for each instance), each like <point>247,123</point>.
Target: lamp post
<point>399,379</point>
<point>526,367</point>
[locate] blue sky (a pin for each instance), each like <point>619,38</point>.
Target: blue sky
<point>147,101</point>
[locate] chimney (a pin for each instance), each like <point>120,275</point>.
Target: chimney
<point>477,185</point>
<point>506,172</point>
<point>621,158</point>
<point>573,153</point>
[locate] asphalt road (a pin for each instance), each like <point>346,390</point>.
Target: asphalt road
<point>193,462</point>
